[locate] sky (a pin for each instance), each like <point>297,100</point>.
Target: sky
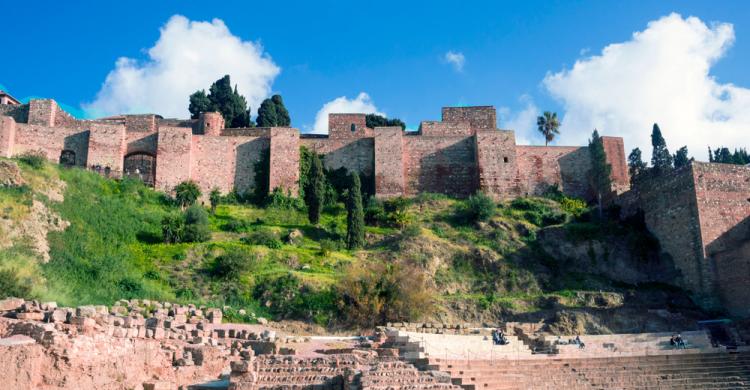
<point>615,66</point>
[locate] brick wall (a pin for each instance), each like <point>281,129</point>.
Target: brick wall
<point>284,172</point>
<point>107,147</point>
<point>141,142</point>
<point>433,128</point>
<point>173,157</point>
<point>211,123</point>
<point>723,200</point>
<point>479,117</point>
<point>614,147</point>
<point>42,112</point>
<point>340,126</point>
<point>7,136</point>
<point>496,163</point>
<point>225,163</point>
<point>671,214</point>
<point>389,162</point>
<point>354,154</point>
<point>440,164</point>
<point>52,141</point>
<point>540,167</point>
<point>146,123</point>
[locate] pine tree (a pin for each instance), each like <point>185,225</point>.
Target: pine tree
<point>199,103</point>
<point>267,116</point>
<point>661,160</point>
<point>636,166</point>
<point>315,189</point>
<point>224,99</point>
<point>282,114</point>
<point>681,158</point>
<point>601,171</point>
<point>355,216</point>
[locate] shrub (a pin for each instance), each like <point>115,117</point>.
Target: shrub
<point>278,200</point>
<point>478,207</point>
<point>234,225</point>
<point>374,212</point>
<point>573,206</point>
<point>383,292</point>
<point>232,264</point>
<point>172,228</point>
<point>34,159</point>
<point>186,193</point>
<point>12,286</point>
<point>538,211</point>
<point>215,198</point>
<point>263,237</point>
<point>287,297</point>
<point>327,246</point>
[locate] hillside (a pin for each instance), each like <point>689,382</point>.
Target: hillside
<point>71,236</point>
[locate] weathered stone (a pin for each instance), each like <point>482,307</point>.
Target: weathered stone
<point>9,304</point>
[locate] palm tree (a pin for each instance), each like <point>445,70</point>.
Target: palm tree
<point>548,125</point>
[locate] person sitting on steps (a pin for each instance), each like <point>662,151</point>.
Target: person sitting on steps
<point>580,343</point>
<point>680,341</point>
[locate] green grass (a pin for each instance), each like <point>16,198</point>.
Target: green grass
<point>113,250</point>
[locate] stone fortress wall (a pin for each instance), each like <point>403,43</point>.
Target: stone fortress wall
<point>700,214</point>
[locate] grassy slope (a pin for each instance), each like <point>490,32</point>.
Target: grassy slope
<point>112,250</point>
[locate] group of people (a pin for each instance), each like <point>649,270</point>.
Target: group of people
<point>576,341</point>
<point>677,341</point>
<point>498,337</point>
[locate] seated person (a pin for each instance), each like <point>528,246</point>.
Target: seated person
<point>580,343</point>
<point>680,341</point>
<point>502,339</point>
<point>495,337</point>
<point>672,341</point>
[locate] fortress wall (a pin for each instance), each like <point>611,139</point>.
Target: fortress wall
<point>340,126</point>
<point>497,163</point>
<point>145,123</point>
<point>7,136</point>
<point>52,141</point>
<point>106,147</point>
<point>614,147</point>
<point>19,112</point>
<point>284,153</point>
<point>723,201</point>
<point>389,162</point>
<point>173,157</point>
<point>137,142</point>
<point>440,164</point>
<point>540,167</point>
<point>479,117</point>
<point>433,128</point>
<point>225,163</point>
<point>671,214</point>
<point>354,154</point>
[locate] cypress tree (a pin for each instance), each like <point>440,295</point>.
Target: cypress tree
<point>661,160</point>
<point>282,114</point>
<point>681,158</point>
<point>315,189</point>
<point>355,215</point>
<point>636,166</point>
<point>601,171</point>
<point>267,116</point>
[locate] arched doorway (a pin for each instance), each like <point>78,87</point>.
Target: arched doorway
<point>68,158</point>
<point>140,166</point>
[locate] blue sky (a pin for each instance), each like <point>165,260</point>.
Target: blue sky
<point>395,52</point>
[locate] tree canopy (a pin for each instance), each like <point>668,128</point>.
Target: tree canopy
<point>273,113</point>
<point>601,171</point>
<point>724,156</point>
<point>224,99</point>
<point>374,120</point>
<point>681,158</point>
<point>661,160</point>
<point>636,166</point>
<point>548,125</point>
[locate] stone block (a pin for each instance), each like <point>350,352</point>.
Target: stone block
<point>158,385</point>
<point>9,304</point>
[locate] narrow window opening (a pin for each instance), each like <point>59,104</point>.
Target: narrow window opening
<point>505,159</point>
<point>354,127</point>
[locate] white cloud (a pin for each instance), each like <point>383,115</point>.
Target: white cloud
<point>456,59</point>
<point>188,56</point>
<point>523,122</point>
<point>362,104</point>
<point>661,75</point>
